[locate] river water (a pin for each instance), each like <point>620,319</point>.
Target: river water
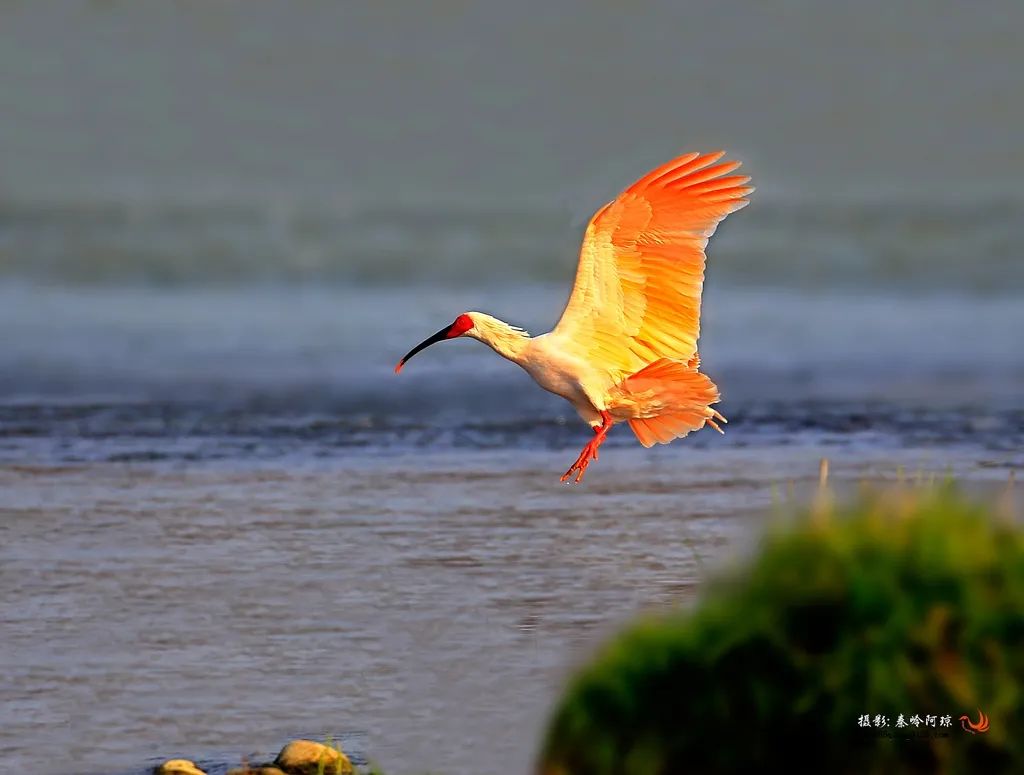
<point>227,523</point>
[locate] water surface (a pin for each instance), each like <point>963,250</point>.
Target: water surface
<point>227,523</point>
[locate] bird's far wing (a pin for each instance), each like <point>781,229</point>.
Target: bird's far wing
<point>641,269</point>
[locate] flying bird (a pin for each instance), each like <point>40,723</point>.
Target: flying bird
<point>625,347</point>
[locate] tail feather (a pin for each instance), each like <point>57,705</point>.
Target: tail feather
<point>673,399</point>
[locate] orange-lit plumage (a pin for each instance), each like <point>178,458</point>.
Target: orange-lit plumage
<point>625,348</point>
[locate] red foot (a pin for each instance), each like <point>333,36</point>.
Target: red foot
<point>590,450</point>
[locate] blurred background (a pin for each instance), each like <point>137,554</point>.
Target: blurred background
<point>222,223</point>
<point>304,195</point>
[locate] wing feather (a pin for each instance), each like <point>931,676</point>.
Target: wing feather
<point>637,293</point>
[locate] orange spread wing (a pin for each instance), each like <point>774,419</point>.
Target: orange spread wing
<point>641,270</point>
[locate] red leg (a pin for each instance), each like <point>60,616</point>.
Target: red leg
<point>590,450</point>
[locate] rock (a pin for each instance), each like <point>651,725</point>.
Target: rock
<point>303,757</point>
<point>178,767</point>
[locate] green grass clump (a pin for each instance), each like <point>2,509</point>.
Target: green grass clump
<point>903,603</point>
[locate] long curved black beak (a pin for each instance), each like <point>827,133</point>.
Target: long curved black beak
<point>440,336</point>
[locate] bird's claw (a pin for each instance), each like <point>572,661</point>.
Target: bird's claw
<point>578,469</point>
<point>580,466</point>
<point>589,450</point>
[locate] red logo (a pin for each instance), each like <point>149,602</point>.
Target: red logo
<point>975,727</point>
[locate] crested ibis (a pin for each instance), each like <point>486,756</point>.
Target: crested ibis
<point>625,347</point>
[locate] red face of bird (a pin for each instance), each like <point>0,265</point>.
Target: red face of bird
<point>462,324</point>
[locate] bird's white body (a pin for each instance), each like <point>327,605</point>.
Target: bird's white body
<point>552,365</point>
<point>625,348</point>
<point>564,375</point>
